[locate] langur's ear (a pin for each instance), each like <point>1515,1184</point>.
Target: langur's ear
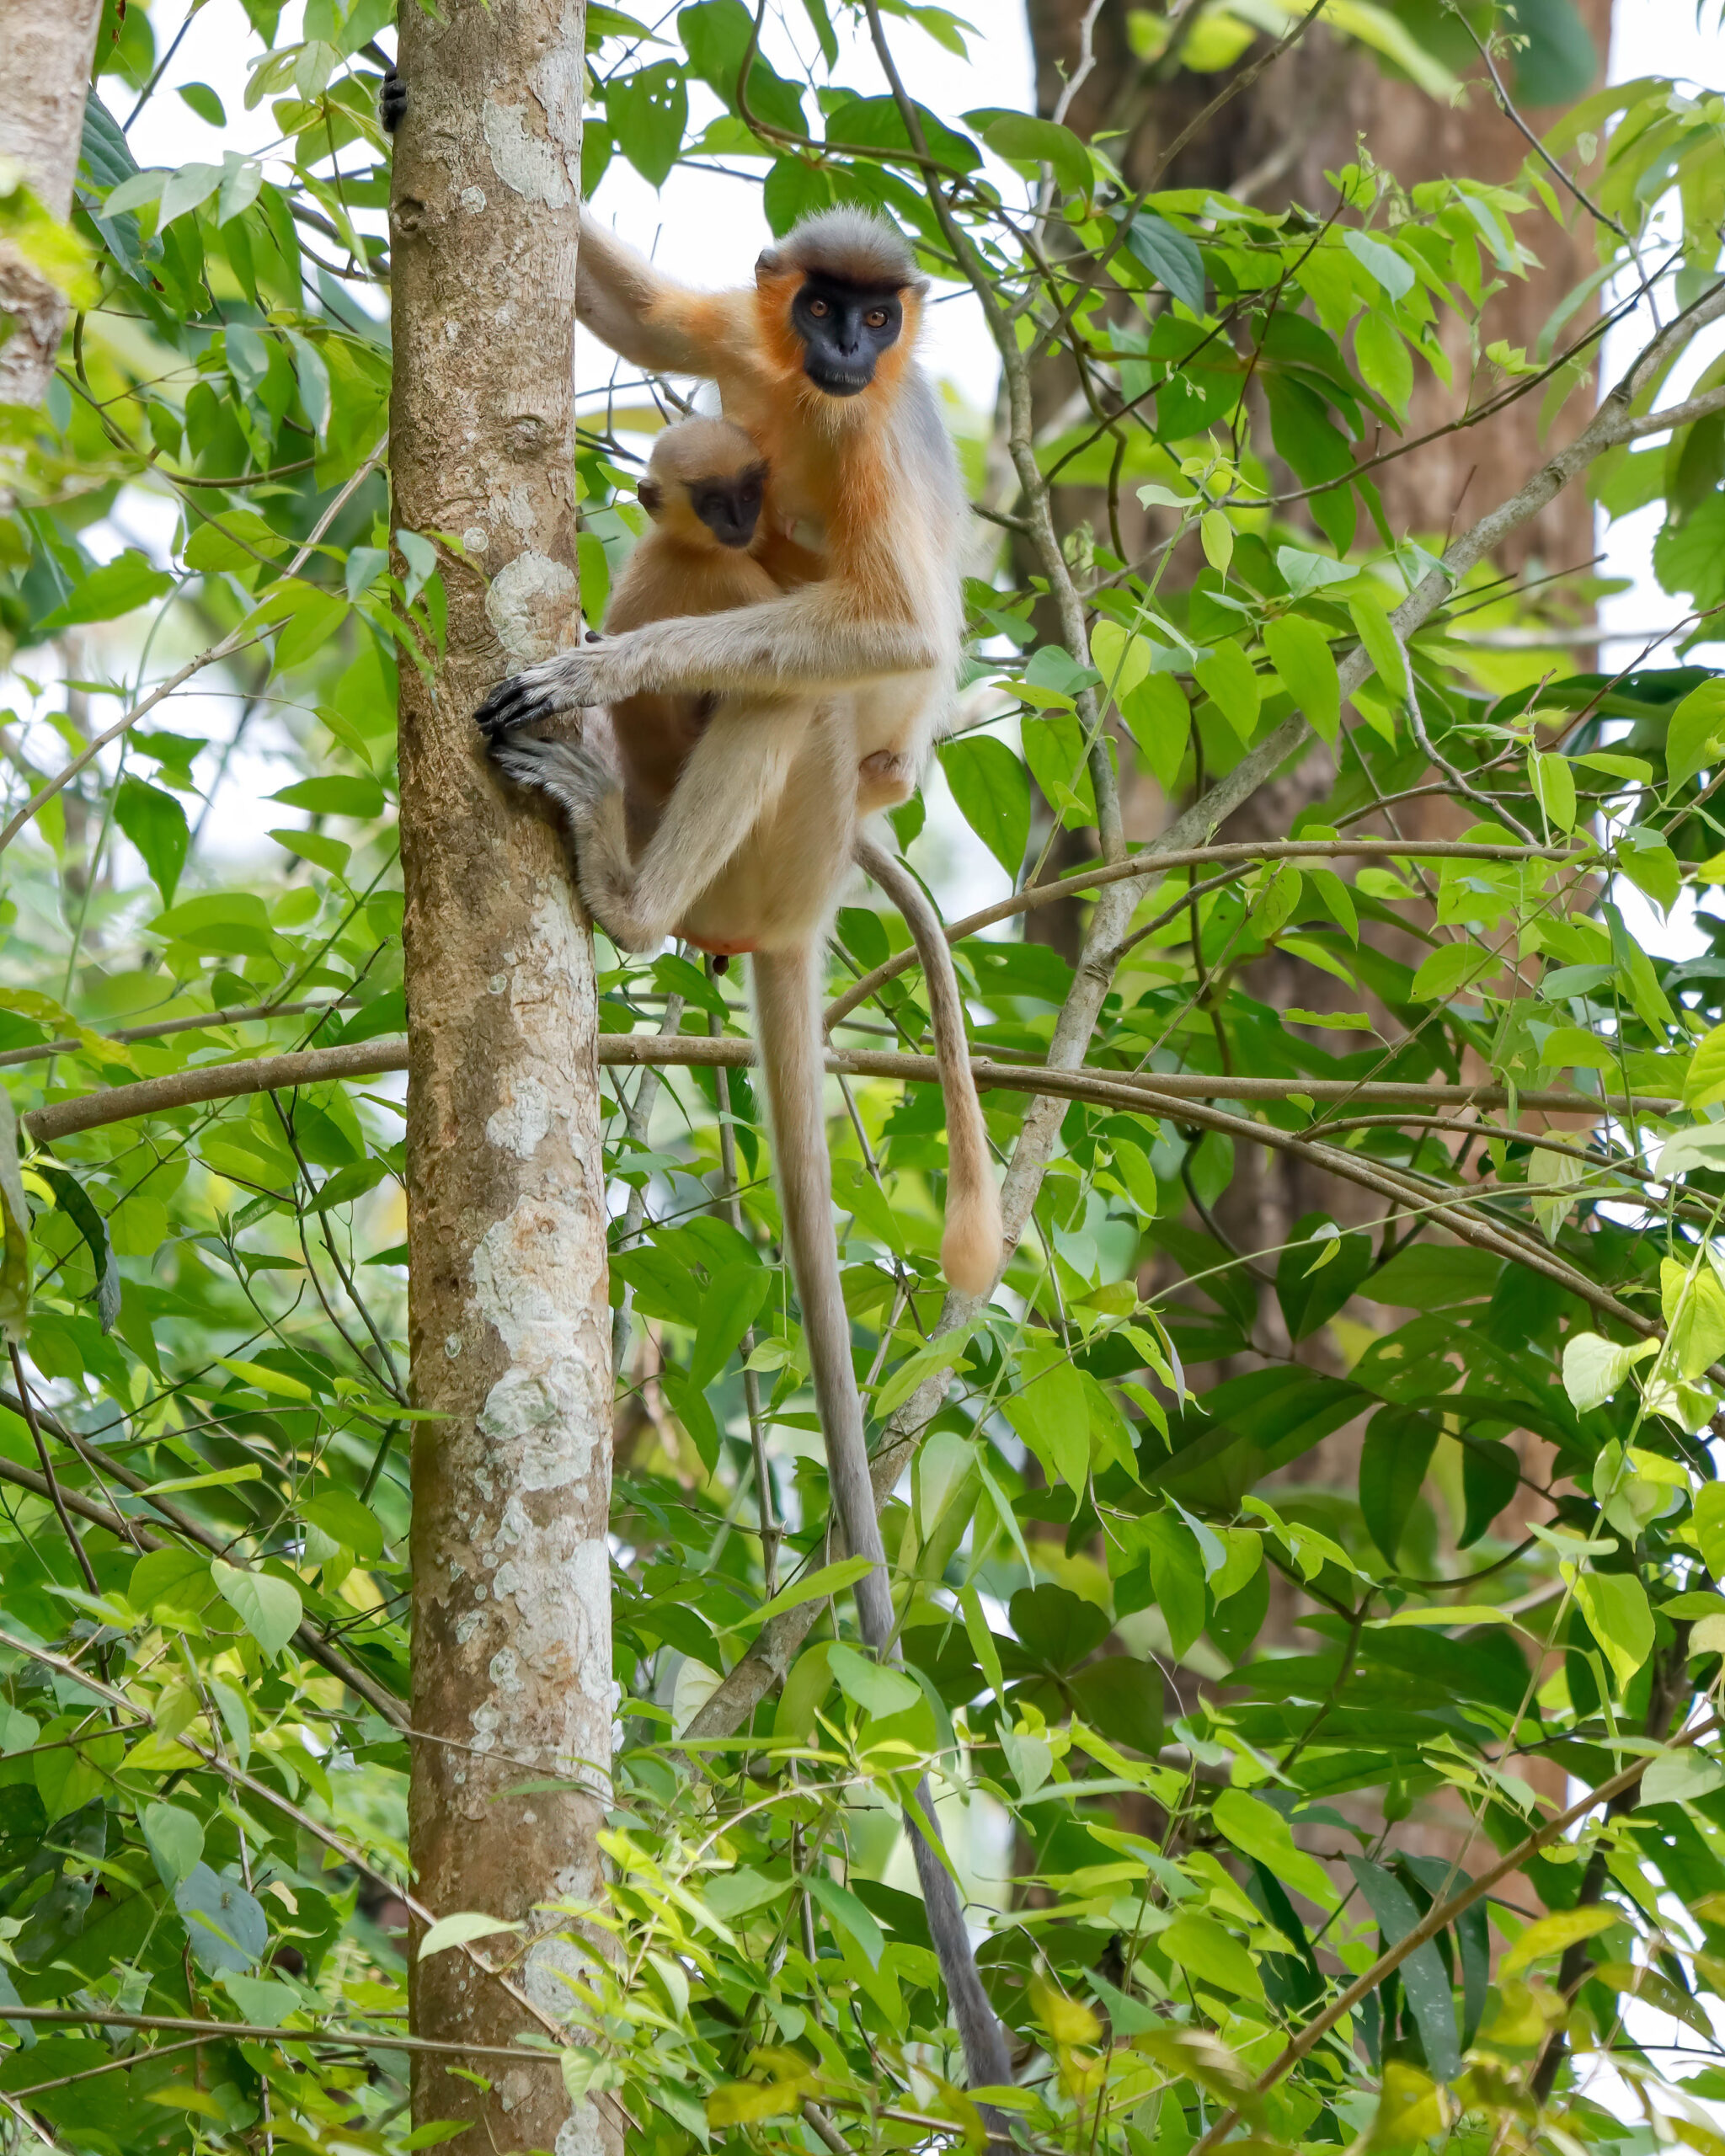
<point>918,288</point>
<point>651,496</point>
<point>768,263</point>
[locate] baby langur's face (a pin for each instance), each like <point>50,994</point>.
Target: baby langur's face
<point>730,504</point>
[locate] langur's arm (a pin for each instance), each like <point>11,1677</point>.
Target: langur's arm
<point>818,639</point>
<point>970,1252</point>
<point>641,314</point>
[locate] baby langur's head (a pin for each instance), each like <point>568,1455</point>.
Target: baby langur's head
<point>705,481</point>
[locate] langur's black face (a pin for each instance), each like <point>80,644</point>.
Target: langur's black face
<point>844,327</point>
<point>730,508</point>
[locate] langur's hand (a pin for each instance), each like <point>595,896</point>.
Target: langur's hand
<point>571,681</point>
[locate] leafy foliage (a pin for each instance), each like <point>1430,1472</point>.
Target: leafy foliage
<point>1179,1701</point>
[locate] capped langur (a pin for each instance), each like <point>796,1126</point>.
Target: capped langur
<point>655,807</point>
<point>816,364</point>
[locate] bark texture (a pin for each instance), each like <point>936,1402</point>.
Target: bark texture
<point>46,49</point>
<point>509,1324</point>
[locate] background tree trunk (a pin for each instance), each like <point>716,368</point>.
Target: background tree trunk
<point>46,50</point>
<point>509,1324</point>
<point>1310,113</point>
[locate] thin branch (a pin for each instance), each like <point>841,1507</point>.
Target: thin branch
<point>270,1073</point>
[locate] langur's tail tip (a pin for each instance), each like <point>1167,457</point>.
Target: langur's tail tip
<point>970,1248</point>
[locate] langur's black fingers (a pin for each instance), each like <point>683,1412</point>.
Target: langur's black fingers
<point>392,99</point>
<point>511,704</point>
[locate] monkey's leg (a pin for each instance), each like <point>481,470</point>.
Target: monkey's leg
<point>970,1248</point>
<point>735,774</point>
<point>787,1033</point>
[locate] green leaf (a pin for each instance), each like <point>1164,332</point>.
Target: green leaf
<point>1228,675</point>
<point>842,1908</point>
<point>1123,1699</point>
<point>876,1688</point>
<point>336,795</point>
<point>1615,1607</point>
<point>1251,1826</point>
<point>648,114</point>
<point>1554,1933</point>
<point>268,1608</point>
<point>1300,653</point>
<point>993,793</point>
<point>815,1586</point>
<point>1052,1415</point>
<point>1383,647</point>
<point>227,1928</point>
<point>1553,785</point>
<point>1176,1575</point>
<point>1424,1977</point>
<point>156,825</point>
<point>345,1520</point>
<point>1381,262</point>
<point>1398,1448</point>
<point>1022,139</point>
<point>1450,967</point>
<point>1594,1367</point>
<point>1170,256</point>
<point>716,35</point>
<point>1210,1955</point>
<point>457,1930</point>
<point>1160,719</point>
<point>75,1201</point>
<point>175,1840</point>
<point>1695,733</point>
<point>735,1296</point>
<point>130,580</point>
<point>204,101</point>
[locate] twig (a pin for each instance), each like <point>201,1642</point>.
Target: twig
<point>56,1497</point>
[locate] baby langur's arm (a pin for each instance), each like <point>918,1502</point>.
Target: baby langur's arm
<point>816,639</point>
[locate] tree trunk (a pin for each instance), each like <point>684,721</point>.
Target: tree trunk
<point>44,81</point>
<point>509,1324</point>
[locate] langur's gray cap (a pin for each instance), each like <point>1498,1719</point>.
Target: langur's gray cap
<point>858,247</point>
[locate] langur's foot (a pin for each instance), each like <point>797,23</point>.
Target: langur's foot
<point>392,99</point>
<point>577,779</point>
<point>585,787</point>
<point>564,683</point>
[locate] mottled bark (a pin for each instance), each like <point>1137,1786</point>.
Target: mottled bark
<point>45,48</point>
<point>510,1325</point>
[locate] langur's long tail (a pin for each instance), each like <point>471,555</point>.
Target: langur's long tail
<point>788,1038</point>
<point>970,1250</point>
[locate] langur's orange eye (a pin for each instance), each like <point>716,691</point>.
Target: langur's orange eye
<point>876,317</point>
<point>818,309</point>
